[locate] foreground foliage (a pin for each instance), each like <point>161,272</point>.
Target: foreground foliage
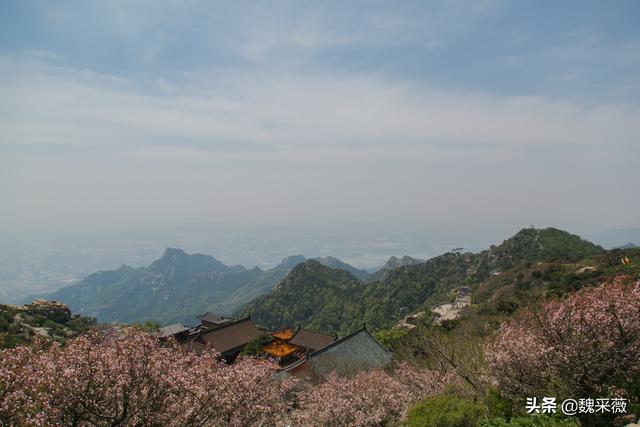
<point>127,378</point>
<point>369,398</point>
<point>583,344</point>
<point>586,345</point>
<point>445,411</point>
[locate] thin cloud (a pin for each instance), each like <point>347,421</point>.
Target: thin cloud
<point>414,114</point>
<point>47,104</point>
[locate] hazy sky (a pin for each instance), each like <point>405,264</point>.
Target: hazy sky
<point>378,115</point>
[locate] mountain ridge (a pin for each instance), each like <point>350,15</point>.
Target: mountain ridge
<point>408,288</point>
<point>392,263</point>
<point>194,283</point>
<point>305,292</point>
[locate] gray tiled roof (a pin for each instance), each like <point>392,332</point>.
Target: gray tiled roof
<point>171,330</point>
<point>311,339</point>
<point>214,318</point>
<point>353,353</point>
<point>231,336</point>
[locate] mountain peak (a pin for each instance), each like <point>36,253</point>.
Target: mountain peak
<point>542,244</point>
<point>173,252</point>
<point>394,262</point>
<point>334,262</point>
<point>304,290</point>
<point>176,260</point>
<point>310,263</point>
<point>292,261</point>
<point>627,246</point>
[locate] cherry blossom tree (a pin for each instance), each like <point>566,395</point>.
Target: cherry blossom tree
<point>369,398</point>
<point>130,379</point>
<point>18,383</point>
<point>587,345</point>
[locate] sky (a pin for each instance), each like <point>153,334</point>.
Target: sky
<point>388,120</point>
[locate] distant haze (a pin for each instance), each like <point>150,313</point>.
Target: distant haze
<point>258,130</point>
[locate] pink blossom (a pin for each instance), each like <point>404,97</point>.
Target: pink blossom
<point>130,379</point>
<point>369,398</point>
<point>582,345</point>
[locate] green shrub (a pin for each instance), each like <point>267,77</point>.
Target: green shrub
<point>498,406</point>
<point>254,346</point>
<point>51,324</point>
<point>14,329</point>
<point>390,338</point>
<point>508,306</point>
<point>6,316</point>
<point>83,324</point>
<point>450,324</point>
<point>36,320</point>
<point>445,410</point>
<point>10,341</point>
<point>149,325</point>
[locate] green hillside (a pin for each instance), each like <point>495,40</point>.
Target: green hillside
<point>549,244</point>
<point>322,295</point>
<point>336,263</point>
<point>317,296</point>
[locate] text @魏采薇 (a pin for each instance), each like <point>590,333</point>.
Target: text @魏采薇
<point>550,405</point>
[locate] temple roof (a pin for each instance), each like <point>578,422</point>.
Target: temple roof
<point>350,354</point>
<point>284,334</point>
<point>168,331</point>
<point>193,345</point>
<point>213,318</point>
<point>232,335</point>
<point>279,349</point>
<point>311,339</point>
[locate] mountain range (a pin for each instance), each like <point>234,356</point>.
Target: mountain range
<point>178,287</point>
<point>321,293</point>
<point>316,296</point>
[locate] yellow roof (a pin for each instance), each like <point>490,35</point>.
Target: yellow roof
<point>285,334</point>
<point>279,349</point>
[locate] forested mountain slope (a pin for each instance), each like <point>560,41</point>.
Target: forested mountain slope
<point>312,295</point>
<point>175,288</point>
<point>320,297</point>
